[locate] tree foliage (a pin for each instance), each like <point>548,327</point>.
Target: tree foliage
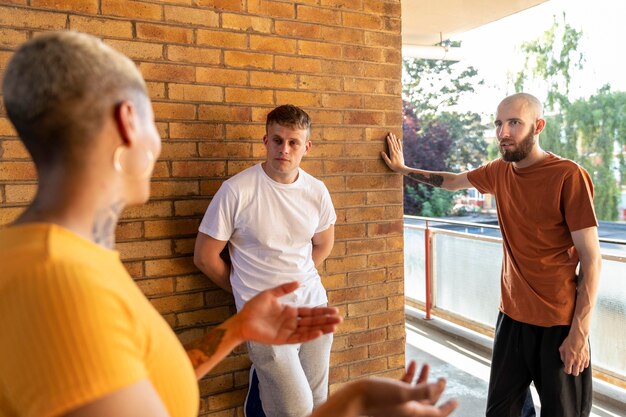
<point>434,138</point>
<point>588,130</point>
<point>598,125</point>
<point>468,134</point>
<point>432,85</point>
<point>552,58</point>
<point>426,148</point>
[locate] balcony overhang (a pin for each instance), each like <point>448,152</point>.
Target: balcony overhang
<point>428,22</point>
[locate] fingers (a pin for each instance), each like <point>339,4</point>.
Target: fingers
<point>574,364</point>
<point>574,352</point>
<point>448,407</point>
<point>283,289</point>
<point>423,374</point>
<point>304,336</point>
<point>437,390</point>
<point>567,359</point>
<point>319,319</point>
<point>326,323</point>
<point>575,367</point>
<point>317,316</point>
<point>562,354</point>
<point>317,311</point>
<point>568,366</point>
<point>395,158</point>
<point>410,373</point>
<point>429,393</point>
<point>394,143</point>
<point>416,409</point>
<point>443,410</point>
<point>578,367</point>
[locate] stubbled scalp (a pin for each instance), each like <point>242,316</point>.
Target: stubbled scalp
<point>58,88</point>
<point>532,103</point>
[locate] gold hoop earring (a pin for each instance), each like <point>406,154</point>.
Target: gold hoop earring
<point>129,169</point>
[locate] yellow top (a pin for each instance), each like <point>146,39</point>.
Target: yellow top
<point>74,327</point>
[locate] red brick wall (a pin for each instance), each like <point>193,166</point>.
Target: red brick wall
<point>214,69</point>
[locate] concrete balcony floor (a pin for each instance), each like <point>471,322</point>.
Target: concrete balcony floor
<point>465,364</point>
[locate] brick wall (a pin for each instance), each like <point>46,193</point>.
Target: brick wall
<point>214,69</point>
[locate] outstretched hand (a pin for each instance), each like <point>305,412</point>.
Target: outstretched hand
<point>424,407</point>
<point>265,319</point>
<point>395,160</point>
<point>409,375</point>
<point>388,397</point>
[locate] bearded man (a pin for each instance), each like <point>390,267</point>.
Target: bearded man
<point>550,268</point>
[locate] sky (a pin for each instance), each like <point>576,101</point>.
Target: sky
<point>494,51</point>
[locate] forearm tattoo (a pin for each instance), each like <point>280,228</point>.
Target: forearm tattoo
<point>201,350</point>
<point>432,179</point>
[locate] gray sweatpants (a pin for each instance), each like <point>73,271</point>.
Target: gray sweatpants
<point>293,379</point>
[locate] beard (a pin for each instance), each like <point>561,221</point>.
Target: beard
<point>521,150</point>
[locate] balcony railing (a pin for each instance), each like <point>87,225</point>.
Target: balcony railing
<point>458,265</point>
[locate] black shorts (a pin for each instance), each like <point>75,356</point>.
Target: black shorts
<point>523,353</point>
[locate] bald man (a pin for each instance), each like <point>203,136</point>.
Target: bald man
<point>550,268</point>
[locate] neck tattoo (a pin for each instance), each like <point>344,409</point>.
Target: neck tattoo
<point>104,225</point>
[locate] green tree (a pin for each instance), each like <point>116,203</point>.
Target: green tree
<point>436,138</point>
<point>469,146</point>
<point>552,58</point>
<point>432,85</point>
<point>586,130</point>
<point>598,125</point>
<point>438,204</point>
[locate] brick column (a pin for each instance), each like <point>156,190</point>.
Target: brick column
<point>214,69</point>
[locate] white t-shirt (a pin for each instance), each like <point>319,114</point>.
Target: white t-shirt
<point>269,227</point>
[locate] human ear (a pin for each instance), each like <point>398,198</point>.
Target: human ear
<point>541,124</point>
<point>125,122</point>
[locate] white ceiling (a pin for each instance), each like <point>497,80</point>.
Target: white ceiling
<point>424,20</point>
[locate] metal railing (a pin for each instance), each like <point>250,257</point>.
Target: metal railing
<point>452,269</point>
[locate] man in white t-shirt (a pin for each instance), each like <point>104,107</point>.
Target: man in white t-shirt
<point>278,222</point>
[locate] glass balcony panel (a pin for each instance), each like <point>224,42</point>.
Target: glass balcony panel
<point>414,273</point>
<point>467,277</point>
<point>608,327</point>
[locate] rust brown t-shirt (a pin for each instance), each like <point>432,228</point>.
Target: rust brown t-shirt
<point>538,208</point>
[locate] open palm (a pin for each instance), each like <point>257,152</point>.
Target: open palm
<point>266,320</point>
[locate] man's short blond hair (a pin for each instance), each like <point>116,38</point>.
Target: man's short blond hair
<point>290,116</point>
<point>59,88</point>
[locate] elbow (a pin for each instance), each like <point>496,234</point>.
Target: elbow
<point>450,186</point>
<point>594,261</point>
<point>592,267</point>
<point>198,261</point>
<point>597,264</point>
